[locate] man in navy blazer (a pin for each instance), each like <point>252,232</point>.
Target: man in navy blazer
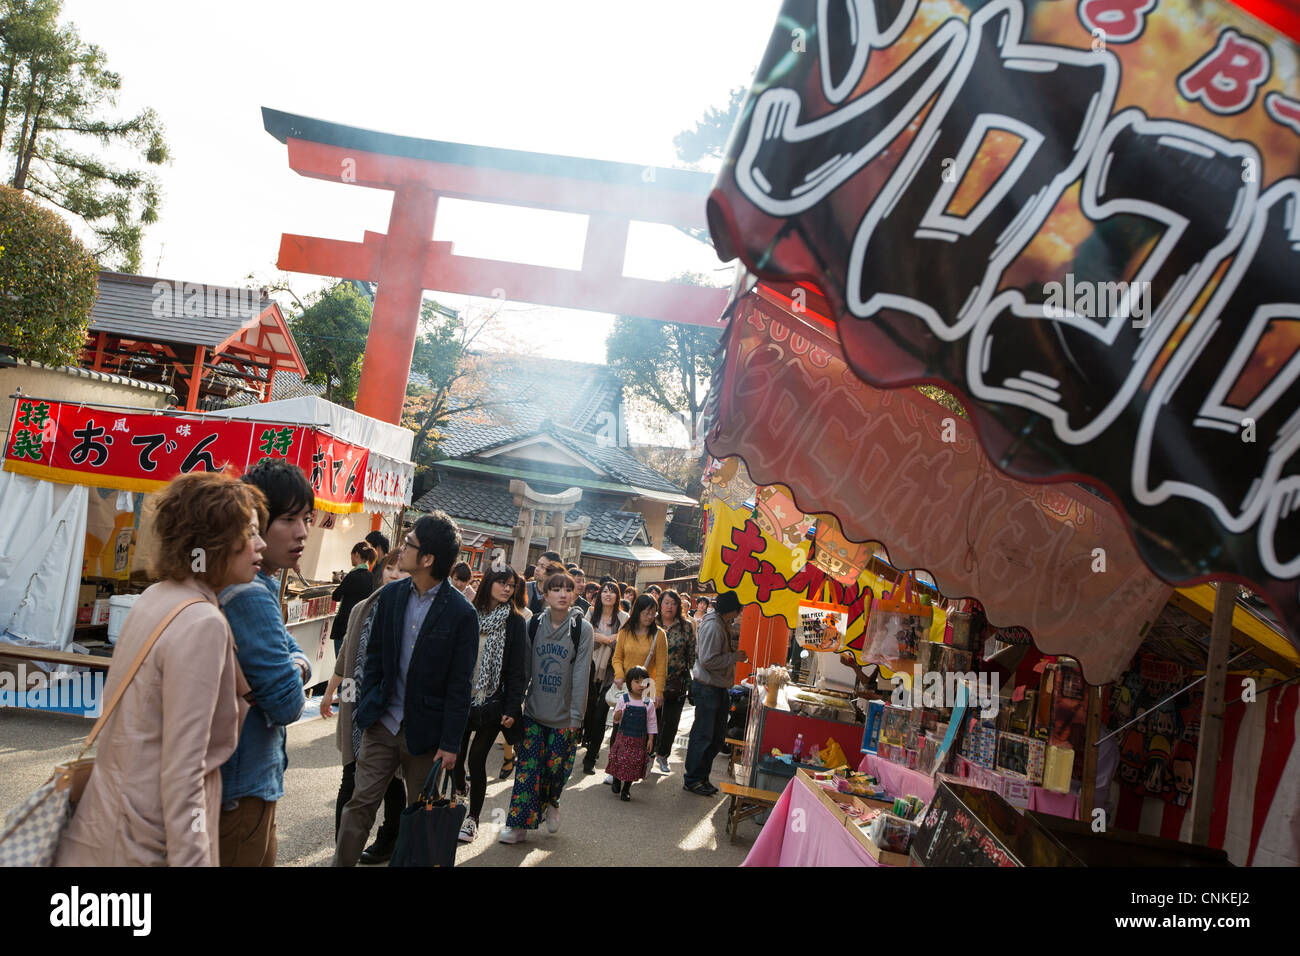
<point>413,702</point>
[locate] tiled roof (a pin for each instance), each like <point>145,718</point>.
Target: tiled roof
<point>471,441</point>
<point>567,400</point>
<point>284,385</point>
<point>8,362</point>
<point>490,503</point>
<point>615,461</point>
<point>165,310</point>
<point>533,390</point>
<point>679,554</point>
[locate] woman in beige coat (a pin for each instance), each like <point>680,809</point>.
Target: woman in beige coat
<point>154,798</point>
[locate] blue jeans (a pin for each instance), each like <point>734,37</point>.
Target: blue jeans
<point>708,732</point>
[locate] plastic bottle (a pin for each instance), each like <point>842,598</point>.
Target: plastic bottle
<point>798,748</point>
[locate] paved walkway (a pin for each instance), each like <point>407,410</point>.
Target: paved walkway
<point>662,825</point>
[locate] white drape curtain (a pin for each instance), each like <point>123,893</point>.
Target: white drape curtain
<point>42,536</point>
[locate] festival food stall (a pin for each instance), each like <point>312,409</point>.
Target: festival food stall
<point>389,473</point>
<point>123,454</point>
<point>1098,277</point>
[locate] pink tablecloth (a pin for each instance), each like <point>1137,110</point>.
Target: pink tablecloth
<point>802,832</point>
<point>897,780</point>
<point>1057,804</point>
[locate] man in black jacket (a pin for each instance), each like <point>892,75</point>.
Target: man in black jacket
<point>415,692</point>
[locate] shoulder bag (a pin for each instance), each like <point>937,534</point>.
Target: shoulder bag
<point>31,832</point>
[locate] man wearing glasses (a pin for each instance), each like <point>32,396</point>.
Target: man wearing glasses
<point>414,698</point>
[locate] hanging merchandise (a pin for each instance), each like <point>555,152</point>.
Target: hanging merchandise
<point>778,517</point>
<point>823,625</point>
<point>837,555</point>
<point>897,624</point>
<point>740,556</point>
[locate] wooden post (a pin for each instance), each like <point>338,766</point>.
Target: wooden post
<point>1216,675</point>
<point>1092,732</point>
<point>196,379</point>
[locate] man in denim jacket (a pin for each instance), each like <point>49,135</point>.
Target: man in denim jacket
<point>252,780</point>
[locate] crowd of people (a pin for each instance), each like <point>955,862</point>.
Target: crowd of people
<point>433,667</point>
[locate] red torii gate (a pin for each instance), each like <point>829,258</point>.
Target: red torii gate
<point>405,261</point>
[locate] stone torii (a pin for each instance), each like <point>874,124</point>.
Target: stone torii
<point>564,538</point>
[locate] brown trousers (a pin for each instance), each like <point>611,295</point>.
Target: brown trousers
<point>248,833</point>
<point>381,754</point>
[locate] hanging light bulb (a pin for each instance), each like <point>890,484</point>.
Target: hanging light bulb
<point>346,523</point>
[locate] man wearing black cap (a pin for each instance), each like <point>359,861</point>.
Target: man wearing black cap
<point>711,679</point>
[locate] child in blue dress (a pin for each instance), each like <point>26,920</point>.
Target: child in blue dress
<point>634,716</point>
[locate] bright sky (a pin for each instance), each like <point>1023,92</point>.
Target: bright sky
<point>589,78</point>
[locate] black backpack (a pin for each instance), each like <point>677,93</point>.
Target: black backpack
<point>575,630</point>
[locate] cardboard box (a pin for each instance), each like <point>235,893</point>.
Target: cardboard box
<point>969,827</point>
<point>834,801</point>
<point>883,857</point>
<point>86,596</point>
<point>100,614</point>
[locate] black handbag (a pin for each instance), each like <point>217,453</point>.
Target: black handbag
<point>430,828</point>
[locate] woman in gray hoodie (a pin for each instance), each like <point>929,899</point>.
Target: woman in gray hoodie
<point>559,660</point>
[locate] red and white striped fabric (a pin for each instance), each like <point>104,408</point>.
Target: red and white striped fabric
<point>1256,816</point>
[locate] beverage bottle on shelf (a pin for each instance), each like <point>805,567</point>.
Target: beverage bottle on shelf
<point>798,747</point>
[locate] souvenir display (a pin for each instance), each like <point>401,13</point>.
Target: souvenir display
<point>1021,755</point>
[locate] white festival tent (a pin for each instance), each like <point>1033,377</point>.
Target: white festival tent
<point>391,472</point>
<point>43,524</point>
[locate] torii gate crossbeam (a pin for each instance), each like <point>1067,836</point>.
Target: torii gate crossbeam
<point>405,261</point>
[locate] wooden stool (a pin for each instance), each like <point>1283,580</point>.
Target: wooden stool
<point>734,750</point>
<point>746,802</point>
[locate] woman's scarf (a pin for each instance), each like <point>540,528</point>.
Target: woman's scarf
<point>491,650</point>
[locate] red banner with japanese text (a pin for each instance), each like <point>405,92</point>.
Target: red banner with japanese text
<point>103,448</point>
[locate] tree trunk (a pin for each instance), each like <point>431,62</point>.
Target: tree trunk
<point>26,150</point>
<point>5,96</point>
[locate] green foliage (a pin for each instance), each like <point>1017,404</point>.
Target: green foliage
<point>48,283</point>
<point>331,334</point>
<point>665,363</point>
<point>56,101</point>
<point>711,132</point>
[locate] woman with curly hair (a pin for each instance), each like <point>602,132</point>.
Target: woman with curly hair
<point>154,798</point>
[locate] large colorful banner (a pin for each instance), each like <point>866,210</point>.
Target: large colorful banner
<point>740,556</point>
<point>102,448</point>
<point>898,468</point>
<point>1081,216</point>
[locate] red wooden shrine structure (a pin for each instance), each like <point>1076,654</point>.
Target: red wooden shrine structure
<point>405,261</point>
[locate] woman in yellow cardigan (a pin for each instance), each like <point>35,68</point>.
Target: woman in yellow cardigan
<point>635,641</point>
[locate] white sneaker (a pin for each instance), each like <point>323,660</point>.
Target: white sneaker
<point>662,763</point>
<point>609,778</point>
<point>551,817</point>
<point>513,835</point>
<point>468,830</point>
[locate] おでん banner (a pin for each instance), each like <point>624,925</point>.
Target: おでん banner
<point>1081,216</point>
<point>80,444</point>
